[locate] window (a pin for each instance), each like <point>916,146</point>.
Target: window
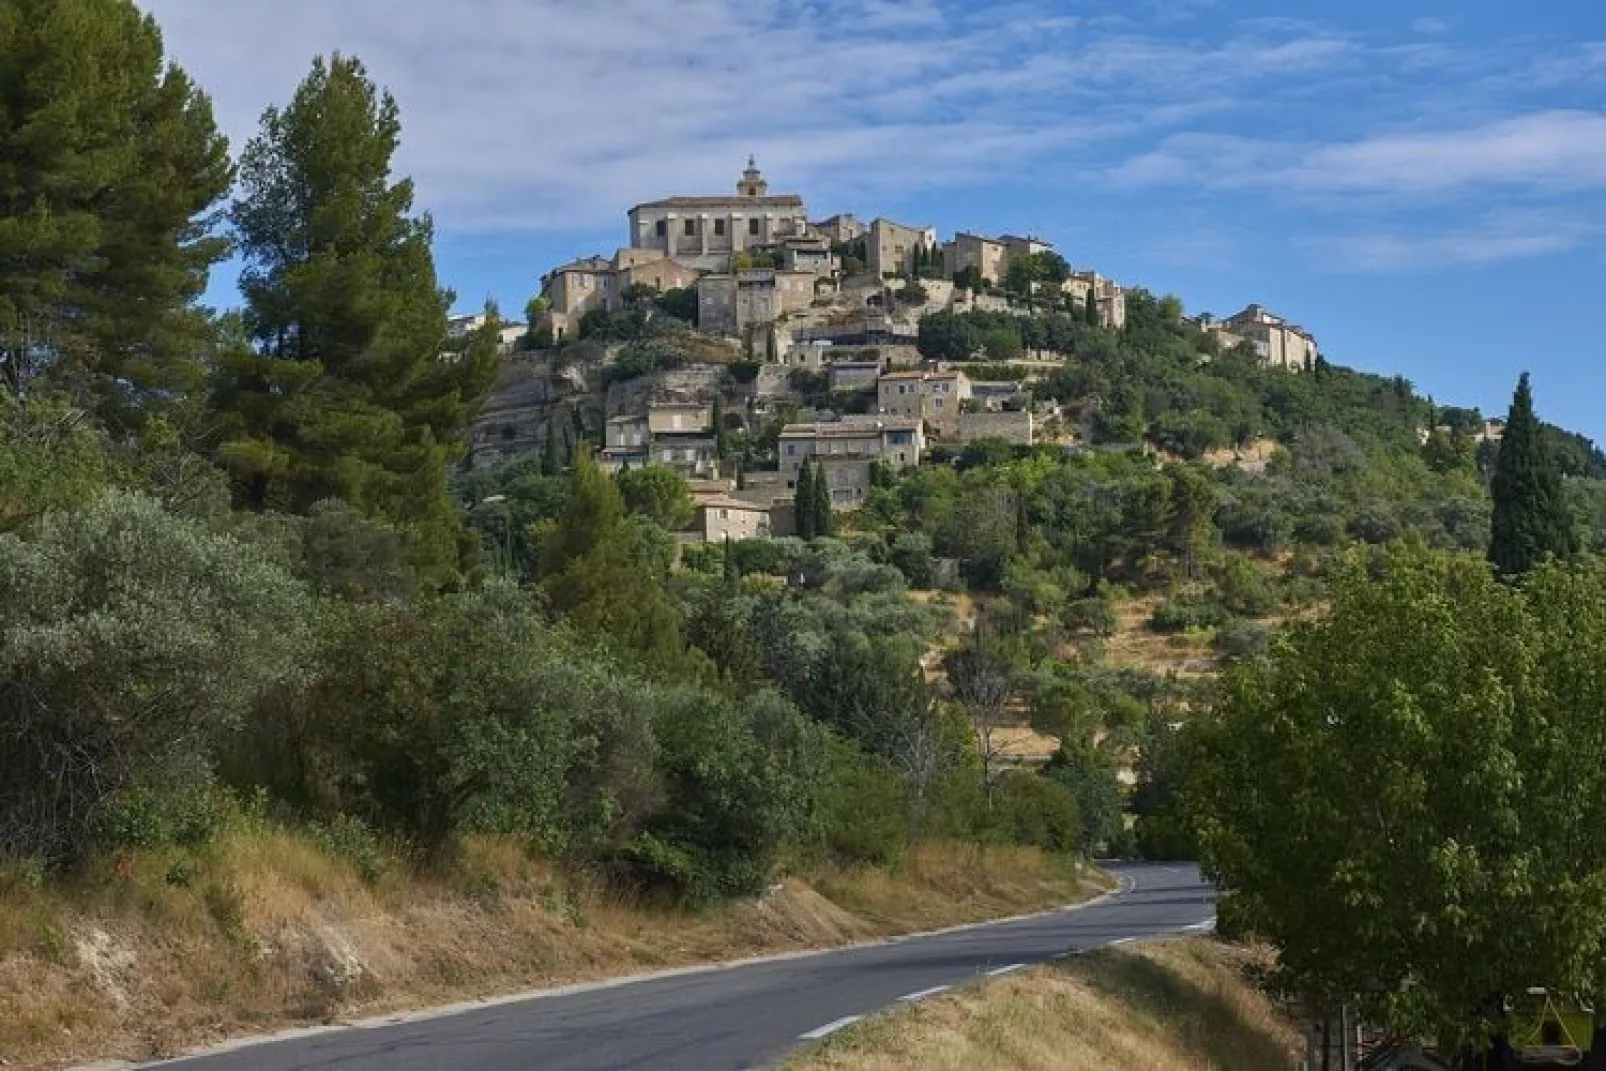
<point>752,226</point>
<point>719,228</point>
<point>791,448</point>
<point>724,514</point>
<point>661,228</point>
<point>691,227</point>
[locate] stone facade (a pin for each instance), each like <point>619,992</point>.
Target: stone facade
<point>934,398</point>
<point>1014,427</point>
<point>840,228</point>
<point>1111,297</point>
<point>890,247</point>
<point>600,283</point>
<point>986,255</point>
<point>1279,343</point>
<point>897,441</point>
<point>848,376</point>
<point>706,231</point>
<point>731,304</point>
<point>723,517</point>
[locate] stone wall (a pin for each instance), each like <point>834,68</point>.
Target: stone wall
<point>1011,427</point>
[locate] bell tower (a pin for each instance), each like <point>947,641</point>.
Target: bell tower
<point>752,184</point>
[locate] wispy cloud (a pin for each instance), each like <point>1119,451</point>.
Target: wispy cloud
<point>1430,27</point>
<point>546,114</point>
<point>1547,152</point>
<point>1492,240</point>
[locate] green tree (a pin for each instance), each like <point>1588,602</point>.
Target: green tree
<point>601,572</point>
<point>132,643</point>
<point>1531,518</point>
<point>345,394</point>
<point>803,501</point>
<point>820,502</point>
<point>110,169</point>
<point>1433,748</point>
<point>660,494</point>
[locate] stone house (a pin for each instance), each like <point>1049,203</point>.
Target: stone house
<point>706,231</point>
<point>934,398</point>
<point>896,441</point>
<point>1279,343</point>
<point>724,517</point>
<point>1013,426</point>
<point>679,418</point>
<point>590,283</point>
<point>811,255</point>
<point>890,247</point>
<point>731,304</point>
<point>840,228</point>
<point>1028,246</point>
<point>986,255</point>
<point>1111,297</point>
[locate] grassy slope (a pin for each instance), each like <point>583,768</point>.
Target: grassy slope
<point>158,953</point>
<point>1171,1006</point>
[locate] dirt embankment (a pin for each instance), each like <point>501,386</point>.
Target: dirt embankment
<point>148,956</point>
<point>1182,1005</point>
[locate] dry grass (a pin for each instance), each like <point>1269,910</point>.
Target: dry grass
<point>1137,646</point>
<point>1185,1005</point>
<point>163,951</point>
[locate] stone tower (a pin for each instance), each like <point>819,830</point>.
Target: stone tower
<point>752,184</point>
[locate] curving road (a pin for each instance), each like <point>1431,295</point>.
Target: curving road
<point>736,1016</point>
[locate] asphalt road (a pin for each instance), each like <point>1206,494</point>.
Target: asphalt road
<point>734,1017</point>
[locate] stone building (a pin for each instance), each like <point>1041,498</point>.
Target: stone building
<point>732,303</point>
<point>1279,343</point>
<point>934,398</point>
<point>890,247</point>
<point>724,517</point>
<point>1013,426</point>
<point>897,441</point>
<point>840,228</point>
<point>1109,294</point>
<point>986,255</point>
<point>706,231</point>
<point>589,283</point>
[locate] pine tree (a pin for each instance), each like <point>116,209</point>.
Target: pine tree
<point>345,393</point>
<point>803,501</point>
<point>110,168</point>
<point>1531,519</point>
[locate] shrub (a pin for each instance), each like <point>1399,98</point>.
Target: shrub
<point>1244,589</point>
<point>131,643</point>
<point>1239,638</point>
<point>1173,616</point>
<point>1096,615</point>
<point>910,554</point>
<point>1036,811</point>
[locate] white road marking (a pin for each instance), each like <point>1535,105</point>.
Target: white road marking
<point>923,994</point>
<point>829,1028</point>
<point>999,971</point>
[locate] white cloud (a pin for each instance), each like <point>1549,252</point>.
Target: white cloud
<point>546,114</point>
<point>1549,152</point>
<point>1430,27</point>
<point>1492,240</point>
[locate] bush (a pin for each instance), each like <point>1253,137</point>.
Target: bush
<point>1173,616</point>
<point>131,643</point>
<point>910,554</point>
<point>1244,589</point>
<point>189,811</point>
<point>1243,639</point>
<point>1036,811</point>
<point>1091,777</point>
<point>1096,615</point>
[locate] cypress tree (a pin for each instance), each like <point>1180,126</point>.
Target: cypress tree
<point>1090,309</point>
<point>803,501</point>
<point>345,393</point>
<point>1531,519</point>
<point>110,170</point>
<point>823,520</point>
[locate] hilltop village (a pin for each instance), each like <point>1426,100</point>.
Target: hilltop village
<point>815,341</point>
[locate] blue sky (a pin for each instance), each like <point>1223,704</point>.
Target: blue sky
<point>1422,185</point>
